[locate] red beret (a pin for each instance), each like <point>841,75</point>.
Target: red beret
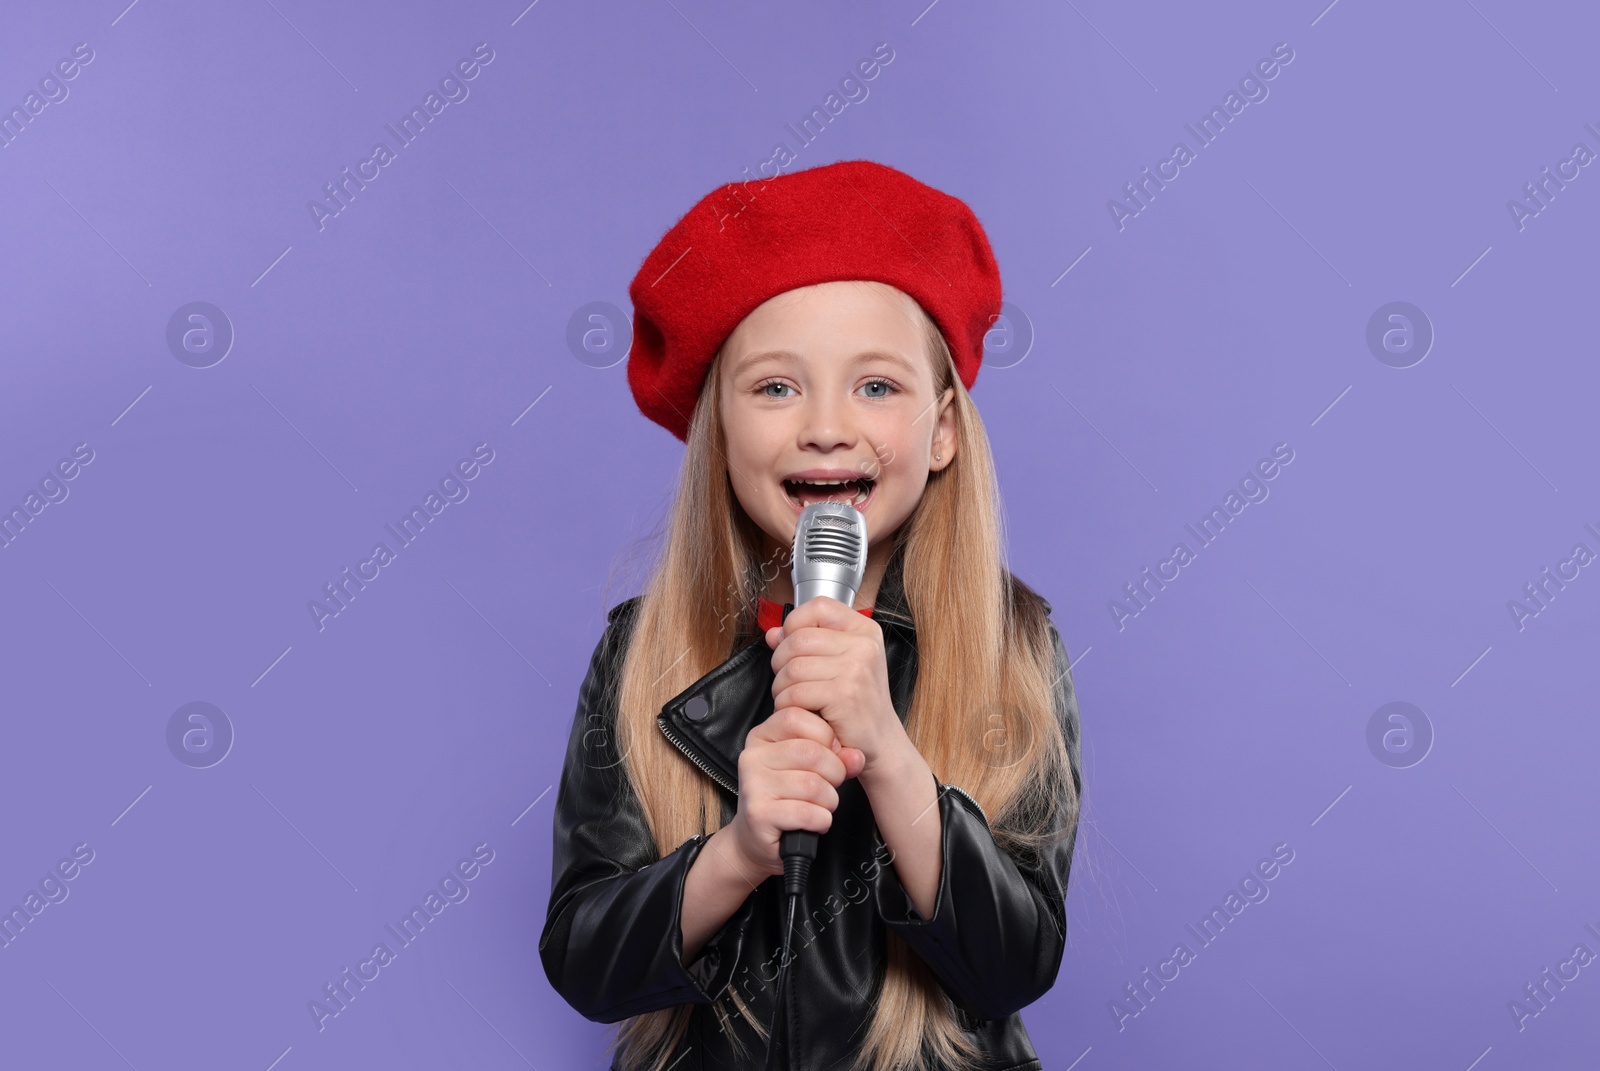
<point>745,242</point>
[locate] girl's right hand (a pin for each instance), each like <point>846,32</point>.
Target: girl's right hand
<point>789,772</point>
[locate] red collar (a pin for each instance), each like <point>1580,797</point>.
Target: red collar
<point>770,614</point>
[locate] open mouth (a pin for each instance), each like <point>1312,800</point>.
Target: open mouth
<point>802,493</point>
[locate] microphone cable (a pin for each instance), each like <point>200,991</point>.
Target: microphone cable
<point>798,848</point>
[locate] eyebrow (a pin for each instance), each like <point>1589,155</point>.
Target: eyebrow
<point>775,356</point>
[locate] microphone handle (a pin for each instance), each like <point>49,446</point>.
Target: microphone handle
<point>798,848</point>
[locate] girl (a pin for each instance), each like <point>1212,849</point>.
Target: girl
<point>815,337</point>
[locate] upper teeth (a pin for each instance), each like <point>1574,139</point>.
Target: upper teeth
<point>863,486</point>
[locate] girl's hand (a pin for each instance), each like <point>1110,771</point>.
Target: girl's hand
<point>789,771</point>
<point>830,659</point>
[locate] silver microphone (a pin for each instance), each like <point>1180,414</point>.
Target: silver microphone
<point>830,558</point>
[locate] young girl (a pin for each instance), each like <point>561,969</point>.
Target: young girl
<point>814,336</point>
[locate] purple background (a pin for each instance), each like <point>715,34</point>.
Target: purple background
<point>432,314</point>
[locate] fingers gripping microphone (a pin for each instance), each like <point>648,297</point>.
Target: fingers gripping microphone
<point>830,558</point>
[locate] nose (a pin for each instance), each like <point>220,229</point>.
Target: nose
<point>828,424</point>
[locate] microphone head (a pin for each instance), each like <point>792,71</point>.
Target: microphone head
<point>830,552</point>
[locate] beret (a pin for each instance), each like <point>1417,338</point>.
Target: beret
<point>745,242</point>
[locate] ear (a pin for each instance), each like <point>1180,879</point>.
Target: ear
<point>944,433</point>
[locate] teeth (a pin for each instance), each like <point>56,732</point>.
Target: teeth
<point>863,487</point>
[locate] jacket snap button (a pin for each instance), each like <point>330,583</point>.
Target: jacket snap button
<point>697,708</point>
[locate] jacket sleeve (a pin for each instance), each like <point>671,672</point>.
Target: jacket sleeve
<point>612,944</point>
<point>998,929</point>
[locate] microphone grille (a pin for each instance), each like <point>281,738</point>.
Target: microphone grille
<point>833,539</point>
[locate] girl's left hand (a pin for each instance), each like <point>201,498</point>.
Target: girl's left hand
<point>829,659</point>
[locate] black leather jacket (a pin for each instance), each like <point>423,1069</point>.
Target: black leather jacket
<point>612,942</point>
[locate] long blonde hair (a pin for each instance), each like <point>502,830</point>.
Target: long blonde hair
<point>982,712</point>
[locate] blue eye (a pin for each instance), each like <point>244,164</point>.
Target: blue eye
<point>763,388</point>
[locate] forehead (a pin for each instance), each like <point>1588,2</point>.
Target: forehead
<point>837,321</point>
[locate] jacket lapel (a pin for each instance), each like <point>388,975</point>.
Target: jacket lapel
<point>709,720</point>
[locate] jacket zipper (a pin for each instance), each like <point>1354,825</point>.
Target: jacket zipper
<point>670,734</point>
<point>975,803</point>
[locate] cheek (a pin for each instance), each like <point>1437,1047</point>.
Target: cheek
<point>739,441</point>
<point>749,452</point>
<point>897,453</point>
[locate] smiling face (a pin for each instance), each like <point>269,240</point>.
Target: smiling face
<point>832,384</point>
